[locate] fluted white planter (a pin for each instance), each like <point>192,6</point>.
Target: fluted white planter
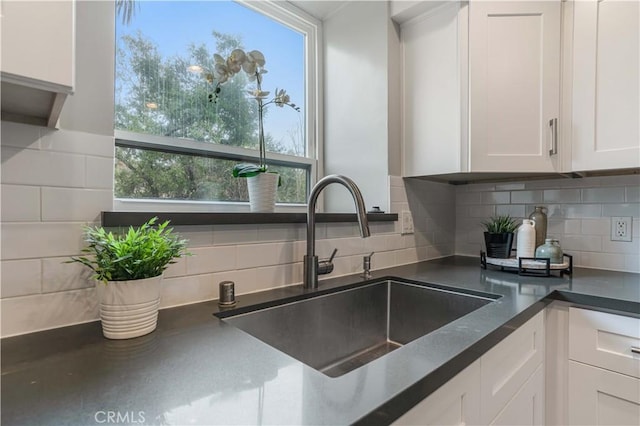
<point>129,308</point>
<point>262,192</point>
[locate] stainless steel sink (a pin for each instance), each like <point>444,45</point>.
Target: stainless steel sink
<point>339,332</point>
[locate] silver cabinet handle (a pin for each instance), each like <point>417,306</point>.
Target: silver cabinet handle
<point>553,123</point>
<point>635,350</point>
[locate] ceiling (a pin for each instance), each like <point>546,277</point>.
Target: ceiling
<point>320,9</point>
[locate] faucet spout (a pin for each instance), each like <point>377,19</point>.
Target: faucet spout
<point>311,260</point>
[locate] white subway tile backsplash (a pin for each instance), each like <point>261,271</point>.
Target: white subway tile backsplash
<point>99,173</point>
<point>482,211</point>
<point>206,260</point>
<point>465,198</point>
<point>70,204</point>
<point>276,276</point>
<point>191,289</point>
<point>38,240</point>
<point>20,203</point>
<point>60,276</point>
<point>197,236</point>
<point>20,277</point>
<point>341,230</point>
<point>46,311</point>
<point>281,232</point>
<point>563,196</point>
<point>621,210</point>
<point>32,167</point>
<point>509,186</point>
<point>234,234</point>
<point>582,243</point>
<point>20,135</point>
<point>496,197</point>
<point>77,142</point>
<point>632,194</point>
<point>526,197</point>
<point>603,195</point>
<point>513,210</point>
<point>574,211</point>
<point>603,261</point>
<point>632,263</point>
<point>624,247</point>
<point>255,255</point>
<point>596,227</point>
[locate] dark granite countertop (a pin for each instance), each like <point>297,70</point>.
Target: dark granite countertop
<point>196,369</point>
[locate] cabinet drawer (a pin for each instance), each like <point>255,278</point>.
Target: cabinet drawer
<point>602,397</point>
<point>507,366</point>
<point>457,402</point>
<point>605,340</point>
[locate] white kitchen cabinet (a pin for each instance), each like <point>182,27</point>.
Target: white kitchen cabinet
<point>606,85</point>
<point>481,89</point>
<point>514,61</point>
<point>605,340</point>
<point>527,406</point>
<point>505,386</point>
<point>455,403</point>
<point>37,66</point>
<point>602,397</point>
<point>592,366</point>
<point>508,365</point>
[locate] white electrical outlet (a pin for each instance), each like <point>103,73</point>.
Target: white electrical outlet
<point>621,228</point>
<point>407,222</point>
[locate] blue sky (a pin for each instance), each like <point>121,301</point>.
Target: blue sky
<point>173,25</point>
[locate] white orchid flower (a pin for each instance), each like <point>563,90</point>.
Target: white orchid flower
<point>221,72</point>
<point>218,59</point>
<point>257,57</point>
<point>281,98</point>
<point>258,94</point>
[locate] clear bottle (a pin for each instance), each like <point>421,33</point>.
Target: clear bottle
<point>526,244</point>
<point>539,217</point>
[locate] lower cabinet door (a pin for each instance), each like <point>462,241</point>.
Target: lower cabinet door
<point>527,405</point>
<point>602,397</point>
<point>455,403</point>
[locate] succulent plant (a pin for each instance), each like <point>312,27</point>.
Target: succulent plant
<point>500,224</point>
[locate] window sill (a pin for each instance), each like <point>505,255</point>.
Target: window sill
<point>115,219</point>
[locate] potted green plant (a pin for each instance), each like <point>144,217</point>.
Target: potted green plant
<point>262,185</point>
<point>498,236</point>
<point>128,268</point>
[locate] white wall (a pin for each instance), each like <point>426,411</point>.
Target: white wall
<point>356,102</point>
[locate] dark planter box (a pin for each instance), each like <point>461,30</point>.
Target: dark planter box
<point>498,245</point>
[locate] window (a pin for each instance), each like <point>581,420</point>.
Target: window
<point>172,142</point>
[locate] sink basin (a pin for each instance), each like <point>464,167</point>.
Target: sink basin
<point>338,332</point>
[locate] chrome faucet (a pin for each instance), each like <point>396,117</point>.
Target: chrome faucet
<point>311,264</point>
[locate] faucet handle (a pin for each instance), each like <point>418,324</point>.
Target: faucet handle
<point>335,250</point>
<point>366,266</point>
<point>325,266</point>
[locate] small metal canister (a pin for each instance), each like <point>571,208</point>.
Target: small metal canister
<point>227,294</point>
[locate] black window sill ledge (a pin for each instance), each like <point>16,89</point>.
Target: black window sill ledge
<point>116,219</point>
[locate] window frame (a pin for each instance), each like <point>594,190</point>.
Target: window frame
<point>289,16</point>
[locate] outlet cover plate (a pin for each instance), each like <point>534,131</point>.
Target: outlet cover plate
<point>621,228</point>
<point>407,222</point>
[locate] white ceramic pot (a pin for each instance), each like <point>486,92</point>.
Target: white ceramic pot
<point>262,192</point>
<point>129,308</point>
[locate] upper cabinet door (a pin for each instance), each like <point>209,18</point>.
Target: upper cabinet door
<point>606,129</point>
<point>514,59</point>
<point>38,42</point>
